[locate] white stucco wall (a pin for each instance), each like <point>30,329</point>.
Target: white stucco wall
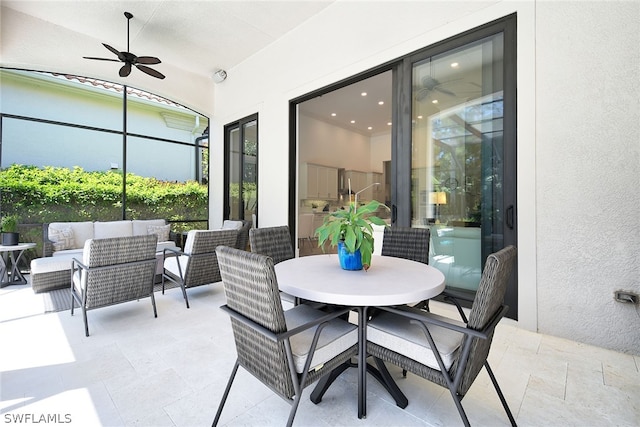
<point>578,127</point>
<point>588,174</point>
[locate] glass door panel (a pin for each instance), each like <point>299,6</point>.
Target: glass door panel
<point>241,166</point>
<point>457,168</point>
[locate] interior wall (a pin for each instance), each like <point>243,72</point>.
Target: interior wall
<point>577,136</point>
<point>325,144</point>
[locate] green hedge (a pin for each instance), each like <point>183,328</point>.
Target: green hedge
<point>43,195</point>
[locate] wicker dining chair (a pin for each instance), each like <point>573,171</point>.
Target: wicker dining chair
<point>408,243</point>
<point>113,271</point>
<point>444,351</point>
<point>274,242</point>
<point>197,265</point>
<point>285,350</point>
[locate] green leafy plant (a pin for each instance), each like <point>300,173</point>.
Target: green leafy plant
<point>353,226</point>
<point>9,224</point>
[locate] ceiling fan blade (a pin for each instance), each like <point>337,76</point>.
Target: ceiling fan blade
<point>115,52</point>
<point>101,59</point>
<point>147,60</point>
<point>125,70</point>
<point>422,94</point>
<point>445,91</point>
<point>150,71</point>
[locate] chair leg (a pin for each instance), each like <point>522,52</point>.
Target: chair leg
<point>226,394</point>
<point>184,294</point>
<point>500,395</point>
<point>86,322</point>
<point>153,303</point>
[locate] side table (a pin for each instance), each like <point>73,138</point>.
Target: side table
<point>10,258</point>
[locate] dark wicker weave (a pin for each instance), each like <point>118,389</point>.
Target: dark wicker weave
<point>406,242</point>
<point>243,235</point>
<point>202,265</point>
<point>118,269</point>
<point>45,282</point>
<point>486,312</point>
<point>260,331</point>
<point>274,242</point>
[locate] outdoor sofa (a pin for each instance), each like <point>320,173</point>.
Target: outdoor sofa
<point>63,241</point>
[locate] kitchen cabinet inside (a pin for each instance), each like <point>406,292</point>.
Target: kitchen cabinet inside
<point>318,182</point>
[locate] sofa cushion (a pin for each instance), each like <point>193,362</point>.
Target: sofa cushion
<point>62,238</point>
<point>162,231</point>
<point>81,231</point>
<point>140,226</point>
<point>107,229</point>
<point>228,224</point>
<point>72,253</point>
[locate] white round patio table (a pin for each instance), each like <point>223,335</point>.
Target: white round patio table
<point>389,281</point>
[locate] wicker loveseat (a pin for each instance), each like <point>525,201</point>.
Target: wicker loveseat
<point>64,241</point>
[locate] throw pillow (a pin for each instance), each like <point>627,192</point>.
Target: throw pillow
<point>162,231</point>
<point>62,238</point>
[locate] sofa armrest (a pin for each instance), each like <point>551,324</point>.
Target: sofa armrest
<point>47,245</point>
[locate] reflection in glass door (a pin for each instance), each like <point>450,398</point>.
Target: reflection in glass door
<point>457,171</point>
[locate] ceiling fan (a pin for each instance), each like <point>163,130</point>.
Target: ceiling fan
<point>130,59</point>
<point>431,84</point>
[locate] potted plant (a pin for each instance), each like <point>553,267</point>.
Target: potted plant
<point>351,230</point>
<point>9,227</point>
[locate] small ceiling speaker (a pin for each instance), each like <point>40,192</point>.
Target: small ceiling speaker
<point>219,76</point>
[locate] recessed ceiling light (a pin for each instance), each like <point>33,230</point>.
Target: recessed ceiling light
<point>435,101</point>
<point>419,117</point>
<point>380,102</point>
<point>364,94</point>
<point>353,121</point>
<point>388,123</point>
<point>369,128</point>
<point>454,65</point>
<point>333,114</point>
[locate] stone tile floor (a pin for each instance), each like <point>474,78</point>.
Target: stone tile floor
<point>137,370</point>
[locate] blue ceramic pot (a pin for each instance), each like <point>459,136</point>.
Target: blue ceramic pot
<point>349,261</point>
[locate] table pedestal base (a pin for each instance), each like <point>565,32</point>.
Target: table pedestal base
<point>381,374</point>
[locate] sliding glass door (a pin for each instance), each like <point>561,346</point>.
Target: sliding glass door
<point>462,152</point>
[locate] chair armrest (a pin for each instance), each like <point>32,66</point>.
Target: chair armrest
<point>282,336</point>
<point>77,262</point>
<point>174,252</point>
<point>422,317</point>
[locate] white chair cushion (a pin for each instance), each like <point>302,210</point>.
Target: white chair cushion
<point>73,253</point>
<point>396,333</point>
<point>231,225</point>
<point>188,244</point>
<point>335,338</point>
<point>171,264</point>
<point>49,264</point>
<point>107,229</point>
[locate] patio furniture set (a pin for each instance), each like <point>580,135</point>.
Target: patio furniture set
<point>314,341</point>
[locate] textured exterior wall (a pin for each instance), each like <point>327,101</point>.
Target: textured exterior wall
<point>588,170</point>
